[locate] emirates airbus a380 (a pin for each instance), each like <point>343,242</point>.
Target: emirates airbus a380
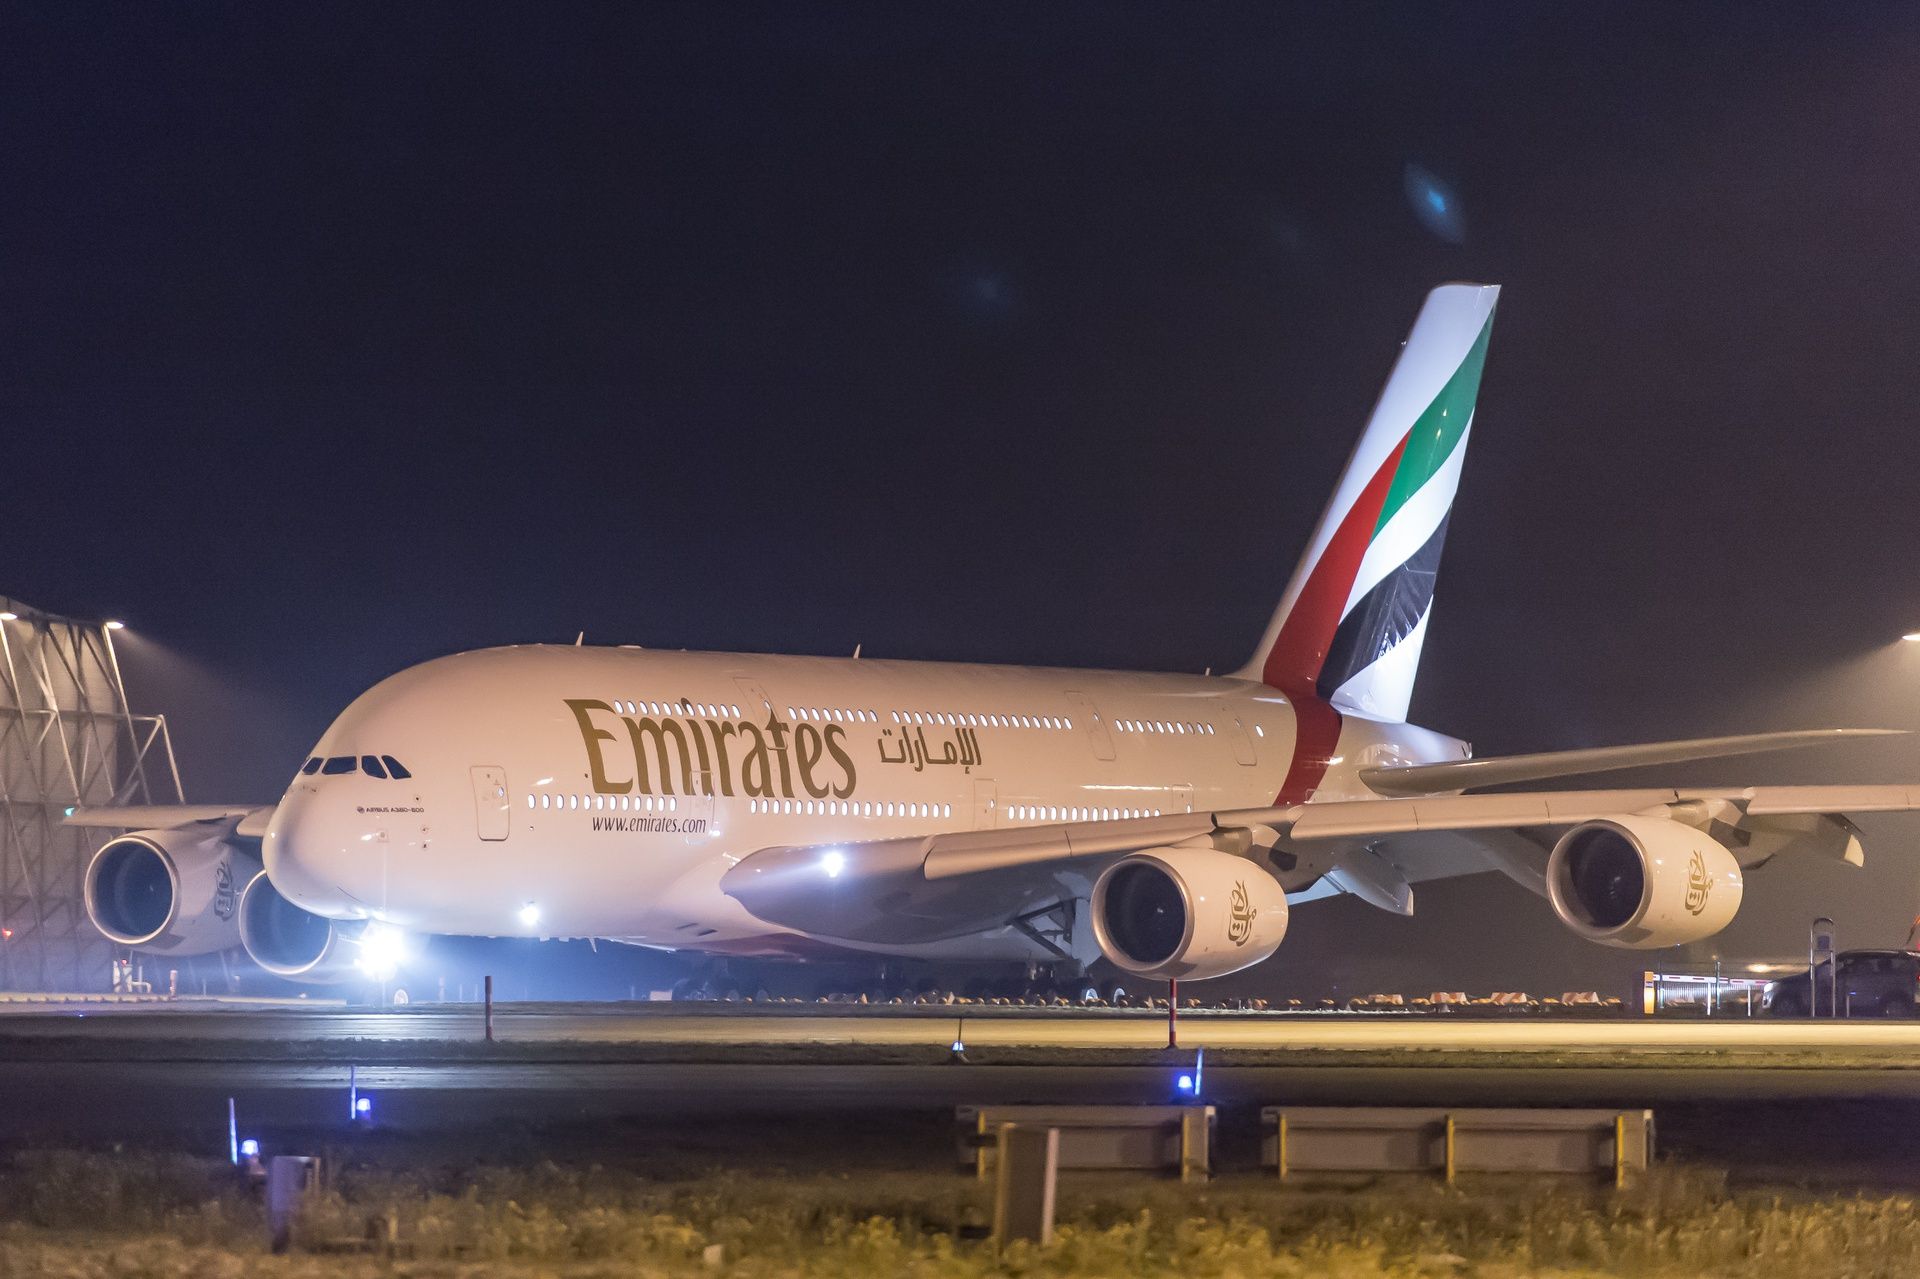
<point>803,806</point>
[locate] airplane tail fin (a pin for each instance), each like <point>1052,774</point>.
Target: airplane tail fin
<point>1350,627</point>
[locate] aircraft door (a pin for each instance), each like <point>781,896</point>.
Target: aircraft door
<point>1242,740</point>
<point>986,804</point>
<point>1096,725</point>
<point>697,809</point>
<point>492,809</point>
<point>756,705</point>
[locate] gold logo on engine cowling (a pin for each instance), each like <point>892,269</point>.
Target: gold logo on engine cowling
<point>1240,915</point>
<point>1699,883</point>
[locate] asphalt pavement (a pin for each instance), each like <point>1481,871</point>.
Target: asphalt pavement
<point>1745,1095</point>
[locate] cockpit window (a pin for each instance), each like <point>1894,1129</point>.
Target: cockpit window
<point>311,767</point>
<point>337,765</point>
<point>395,768</point>
<point>371,763</point>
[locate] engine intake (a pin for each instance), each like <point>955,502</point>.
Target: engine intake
<point>1642,882</point>
<point>284,939</point>
<point>173,891</point>
<point>1187,912</point>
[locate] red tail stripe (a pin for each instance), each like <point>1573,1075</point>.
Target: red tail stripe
<point>1300,650</point>
<point>1316,729</point>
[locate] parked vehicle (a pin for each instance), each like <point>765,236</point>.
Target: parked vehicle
<point>1872,983</point>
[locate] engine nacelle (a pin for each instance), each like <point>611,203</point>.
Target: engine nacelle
<point>286,940</point>
<point>174,891</point>
<point>1187,912</point>
<point>1642,882</point>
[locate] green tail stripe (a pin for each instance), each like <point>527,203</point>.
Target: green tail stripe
<point>1437,431</point>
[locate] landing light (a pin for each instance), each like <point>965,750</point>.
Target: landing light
<point>1912,637</point>
<point>9,617</point>
<point>382,949</point>
<point>116,626</point>
<point>529,915</point>
<point>833,863</point>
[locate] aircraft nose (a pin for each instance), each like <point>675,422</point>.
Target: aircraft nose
<point>324,855</point>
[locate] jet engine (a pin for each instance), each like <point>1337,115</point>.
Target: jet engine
<point>286,940</point>
<point>1187,912</point>
<point>1642,882</point>
<point>174,891</point>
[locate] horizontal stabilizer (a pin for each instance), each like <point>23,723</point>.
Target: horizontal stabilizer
<point>1499,770</point>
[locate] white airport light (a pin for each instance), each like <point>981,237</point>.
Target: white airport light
<point>1186,1083</point>
<point>116,626</point>
<point>382,950</point>
<point>250,1149</point>
<point>363,1109</point>
<point>832,863</point>
<point>529,915</point>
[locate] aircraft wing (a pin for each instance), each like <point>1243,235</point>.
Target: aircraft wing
<point>1501,770</point>
<point>253,817</point>
<point>947,885</point>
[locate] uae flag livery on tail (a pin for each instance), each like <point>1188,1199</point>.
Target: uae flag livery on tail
<point>1346,638</point>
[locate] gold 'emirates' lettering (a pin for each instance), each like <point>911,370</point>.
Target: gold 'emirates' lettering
<point>689,755</point>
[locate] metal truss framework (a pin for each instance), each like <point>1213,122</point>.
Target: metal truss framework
<point>67,739</point>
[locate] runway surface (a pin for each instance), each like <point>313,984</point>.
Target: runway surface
<point>1767,1098</point>
<point>1038,1028</point>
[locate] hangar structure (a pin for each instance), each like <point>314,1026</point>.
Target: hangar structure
<point>67,738</point>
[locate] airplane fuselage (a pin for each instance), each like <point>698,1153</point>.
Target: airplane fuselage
<point>602,792</point>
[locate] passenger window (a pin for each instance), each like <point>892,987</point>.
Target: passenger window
<point>311,767</point>
<point>337,765</point>
<point>372,767</point>
<point>394,769</point>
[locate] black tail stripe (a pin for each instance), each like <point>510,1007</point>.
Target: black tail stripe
<point>1385,615</point>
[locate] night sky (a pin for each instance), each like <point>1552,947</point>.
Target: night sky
<point>334,338</point>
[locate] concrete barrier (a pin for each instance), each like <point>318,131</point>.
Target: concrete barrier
<point>1028,1159</point>
<point>1337,1140</point>
<point>1175,1138</point>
